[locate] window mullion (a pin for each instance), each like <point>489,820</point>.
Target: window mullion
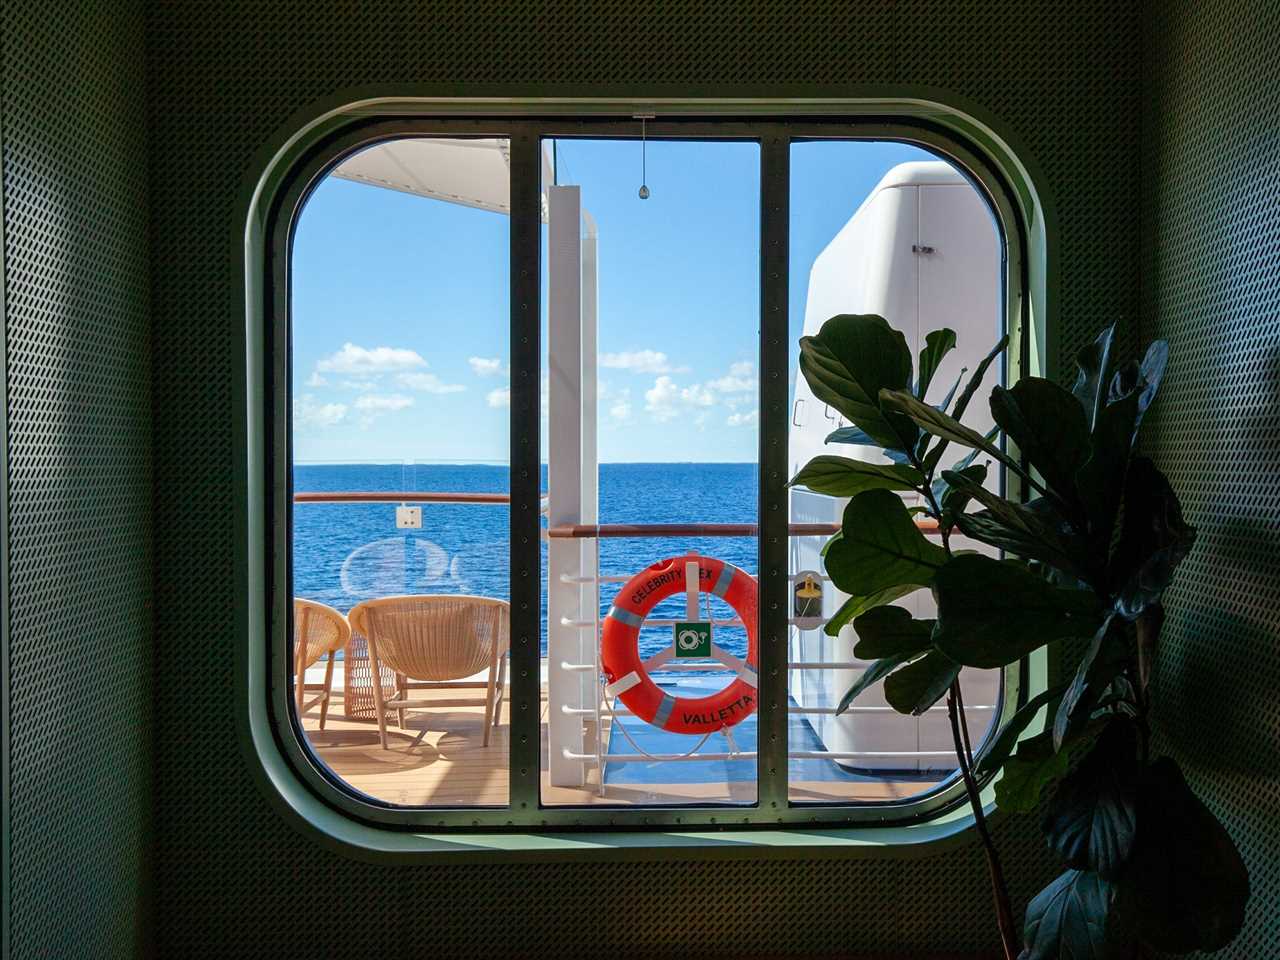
<point>774,235</point>
<point>526,555</point>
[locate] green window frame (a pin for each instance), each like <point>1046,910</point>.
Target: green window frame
<point>286,768</point>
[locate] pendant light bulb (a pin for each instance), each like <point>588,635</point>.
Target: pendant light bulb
<point>644,143</point>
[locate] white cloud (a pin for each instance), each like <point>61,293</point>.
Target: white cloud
<point>361,386</point>
<point>640,361</point>
<point>427,383</point>
<point>485,366</point>
<point>741,419</point>
<point>740,379</point>
<point>615,402</point>
<point>308,412</point>
<point>362,361</point>
<point>501,397</point>
<point>665,400</point>
<point>315,380</point>
<point>383,402</point>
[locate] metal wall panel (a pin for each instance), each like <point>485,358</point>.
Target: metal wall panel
<point>232,879</point>
<point>78,472</point>
<point>1211,286</point>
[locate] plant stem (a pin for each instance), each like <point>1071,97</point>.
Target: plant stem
<point>964,757</point>
<point>999,889</point>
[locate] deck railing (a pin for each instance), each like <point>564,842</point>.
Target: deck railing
<point>601,709</point>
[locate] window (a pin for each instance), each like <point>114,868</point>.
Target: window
<point>535,406</point>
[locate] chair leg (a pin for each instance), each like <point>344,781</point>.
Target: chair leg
<point>404,695</point>
<point>488,705</point>
<point>328,690</point>
<point>377,693</point>
<point>300,662</point>
<point>502,688</point>
<point>495,656</point>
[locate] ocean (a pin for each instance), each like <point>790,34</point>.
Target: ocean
<point>347,552</point>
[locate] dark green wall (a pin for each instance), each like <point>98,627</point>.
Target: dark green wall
<point>1175,103</point>
<point>1211,285</point>
<point>77,524</point>
<point>231,878</point>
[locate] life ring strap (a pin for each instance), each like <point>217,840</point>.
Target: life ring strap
<point>622,684</point>
<point>622,615</point>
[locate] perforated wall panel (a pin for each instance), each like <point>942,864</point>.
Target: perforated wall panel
<point>232,879</point>
<point>78,366</point>
<point>1211,227</point>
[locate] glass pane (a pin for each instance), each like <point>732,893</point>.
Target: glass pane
<point>887,229</point>
<point>400,440</point>
<point>653,334</point>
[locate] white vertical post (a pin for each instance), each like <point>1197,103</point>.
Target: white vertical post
<point>691,590</point>
<point>564,481</point>
<point>589,593</point>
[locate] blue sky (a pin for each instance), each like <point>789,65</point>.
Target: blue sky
<point>400,304</point>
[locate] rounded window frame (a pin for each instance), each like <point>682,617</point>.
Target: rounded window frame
<point>287,768</point>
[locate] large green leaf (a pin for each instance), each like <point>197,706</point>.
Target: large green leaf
<point>850,360</point>
<point>1143,377</point>
<point>1153,539</point>
<point>1048,426</point>
<point>842,477</point>
<point>934,421</point>
<point>937,344</point>
<point>997,531</point>
<point>953,498</point>
<point>1091,382</point>
<point>880,549</point>
<point>994,612</point>
<point>1029,771</point>
<point>1100,480</point>
<point>1093,673</point>
<point>889,631</point>
<point>1067,920</point>
<point>915,688</point>
<point>1092,820</point>
<point>851,435</point>
<point>855,605</point>
<point>1186,883</point>
<point>994,756</point>
<point>872,675</point>
<point>935,455</point>
<point>1033,531</point>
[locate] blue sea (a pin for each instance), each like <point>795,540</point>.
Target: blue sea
<point>348,552</point>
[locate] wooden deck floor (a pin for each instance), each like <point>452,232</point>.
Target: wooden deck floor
<point>439,759</point>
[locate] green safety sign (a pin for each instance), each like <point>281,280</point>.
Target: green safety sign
<point>693,639</point>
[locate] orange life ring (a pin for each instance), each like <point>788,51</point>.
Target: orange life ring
<point>620,653</point>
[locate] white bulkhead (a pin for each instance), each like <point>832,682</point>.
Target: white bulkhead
<point>923,252</point>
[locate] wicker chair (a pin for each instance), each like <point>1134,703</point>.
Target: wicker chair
<point>318,631</point>
<point>434,642</point>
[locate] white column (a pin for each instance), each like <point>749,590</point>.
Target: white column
<point>564,481</point>
<point>589,595</point>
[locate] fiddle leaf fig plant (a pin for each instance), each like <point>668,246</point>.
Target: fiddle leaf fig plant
<point>1086,560</point>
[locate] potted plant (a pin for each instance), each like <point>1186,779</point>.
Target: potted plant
<point>1088,557</point>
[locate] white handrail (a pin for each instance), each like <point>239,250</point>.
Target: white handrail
<point>751,755</point>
